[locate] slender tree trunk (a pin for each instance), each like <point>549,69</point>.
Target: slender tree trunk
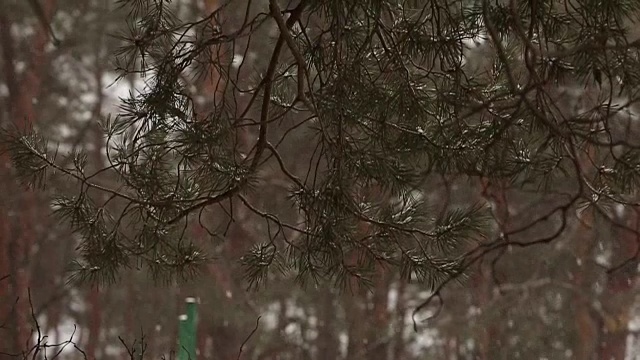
<point>130,298</point>
<point>356,316</point>
<point>401,309</point>
<point>585,324</point>
<point>95,320</point>
<point>583,242</point>
<point>7,252</point>
<point>5,225</point>
<point>328,343</point>
<point>451,348</point>
<point>488,333</point>
<point>22,248</point>
<point>95,295</point>
<point>378,347</point>
<point>228,334</point>
<point>619,298</point>
<point>23,92</point>
<point>5,283</point>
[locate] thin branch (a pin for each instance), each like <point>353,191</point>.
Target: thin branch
<point>249,337</point>
<point>302,66</point>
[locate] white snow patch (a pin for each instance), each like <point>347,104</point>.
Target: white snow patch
<point>66,331</point>
<point>20,66</point>
<point>237,61</point>
<point>271,316</point>
<point>76,302</point>
<point>343,338</point>
<point>392,299</point>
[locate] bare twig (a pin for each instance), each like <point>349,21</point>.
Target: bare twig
<point>249,336</point>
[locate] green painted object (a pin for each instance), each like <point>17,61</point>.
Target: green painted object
<point>187,332</point>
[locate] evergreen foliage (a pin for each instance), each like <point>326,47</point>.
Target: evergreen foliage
<point>359,103</point>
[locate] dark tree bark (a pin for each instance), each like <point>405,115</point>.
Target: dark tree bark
<point>378,334</point>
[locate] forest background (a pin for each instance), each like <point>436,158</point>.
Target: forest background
<point>425,179</point>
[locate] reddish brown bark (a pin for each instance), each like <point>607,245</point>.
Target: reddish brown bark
<point>5,232</point>
<point>227,336</point>
<point>378,341</point>
<point>583,242</point>
<point>24,91</point>
<point>224,334</point>
<point>493,191</point>
<point>5,283</point>
<point>487,332</point>
<point>95,321</point>
<point>356,316</point>
<point>203,339</point>
<point>585,324</point>
<point>7,287</point>
<point>451,348</point>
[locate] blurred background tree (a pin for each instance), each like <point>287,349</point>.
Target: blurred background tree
<point>376,179</point>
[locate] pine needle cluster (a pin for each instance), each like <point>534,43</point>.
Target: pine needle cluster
<point>382,95</point>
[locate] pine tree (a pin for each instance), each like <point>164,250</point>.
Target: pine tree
<point>358,105</point>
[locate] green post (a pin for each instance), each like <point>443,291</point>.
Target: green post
<point>187,332</point>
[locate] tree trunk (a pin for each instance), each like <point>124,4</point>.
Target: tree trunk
<point>95,321</point>
<point>94,295</point>
<point>5,283</point>
<point>23,92</point>
<point>583,242</point>
<point>378,339</point>
<point>356,316</point>
<point>488,332</point>
<point>585,324</point>
<point>398,336</point>
<point>619,299</point>
<point>5,225</point>
<point>328,342</point>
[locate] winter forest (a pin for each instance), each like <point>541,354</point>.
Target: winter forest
<point>326,179</point>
